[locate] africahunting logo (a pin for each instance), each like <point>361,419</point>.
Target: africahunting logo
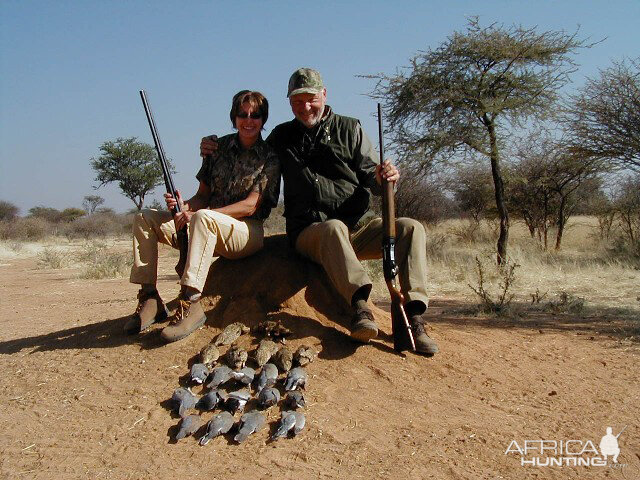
<point>569,453</point>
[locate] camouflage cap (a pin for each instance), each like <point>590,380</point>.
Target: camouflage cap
<point>305,80</point>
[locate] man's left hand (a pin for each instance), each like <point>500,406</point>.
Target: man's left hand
<point>388,171</point>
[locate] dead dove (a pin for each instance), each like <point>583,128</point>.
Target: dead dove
<point>209,401</point>
<point>199,373</point>
<point>210,354</point>
<point>188,426</point>
<point>182,400</point>
<point>272,329</point>
<point>296,378</point>
<point>231,333</point>
<point>218,425</point>
<point>294,400</point>
<point>290,422</point>
<point>283,359</point>
<point>250,423</point>
<point>218,376</point>
<point>236,357</point>
<point>304,355</point>
<point>267,377</point>
<point>245,375</point>
<point>266,349</point>
<point>237,400</point>
<point>268,397</point>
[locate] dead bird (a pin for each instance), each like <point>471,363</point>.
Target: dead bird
<point>268,397</point>
<point>268,376</point>
<point>283,359</point>
<point>244,375</point>
<point>231,333</point>
<point>182,400</point>
<point>218,376</point>
<point>250,423</point>
<point>218,425</point>
<point>209,354</point>
<point>296,378</point>
<point>188,426</point>
<point>290,422</point>
<point>272,329</point>
<point>293,400</point>
<point>266,349</point>
<point>304,355</point>
<point>237,400</point>
<point>199,373</point>
<point>210,400</point>
<point>236,357</point>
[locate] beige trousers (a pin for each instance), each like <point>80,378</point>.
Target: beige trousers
<point>331,245</point>
<point>210,233</point>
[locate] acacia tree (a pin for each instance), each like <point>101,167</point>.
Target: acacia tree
<point>457,98</point>
<point>133,164</point>
<point>604,117</point>
<point>91,203</point>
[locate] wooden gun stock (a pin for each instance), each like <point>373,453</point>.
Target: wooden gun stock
<point>401,330</point>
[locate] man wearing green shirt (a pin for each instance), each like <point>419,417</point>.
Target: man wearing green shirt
<point>330,169</point>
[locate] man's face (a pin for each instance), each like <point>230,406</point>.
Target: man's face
<point>308,107</point>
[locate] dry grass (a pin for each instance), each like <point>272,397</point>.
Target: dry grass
<point>582,268</point>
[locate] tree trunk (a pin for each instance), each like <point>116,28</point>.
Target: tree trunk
<point>499,192</point>
<point>561,222</point>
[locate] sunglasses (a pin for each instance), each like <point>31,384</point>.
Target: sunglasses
<point>254,115</point>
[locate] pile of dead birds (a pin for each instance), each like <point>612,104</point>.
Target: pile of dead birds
<point>228,387</point>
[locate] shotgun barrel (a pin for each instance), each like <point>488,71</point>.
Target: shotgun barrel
<point>182,234</point>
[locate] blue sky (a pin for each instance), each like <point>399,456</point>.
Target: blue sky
<point>70,71</point>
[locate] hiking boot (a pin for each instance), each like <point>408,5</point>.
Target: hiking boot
<point>363,327</point>
<point>189,317</point>
<point>424,343</point>
<point>150,310</point>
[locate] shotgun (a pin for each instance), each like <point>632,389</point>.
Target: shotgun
<point>402,334</point>
<point>182,235</point>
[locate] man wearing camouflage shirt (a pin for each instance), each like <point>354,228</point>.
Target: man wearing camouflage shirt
<point>239,184</point>
<point>329,168</point>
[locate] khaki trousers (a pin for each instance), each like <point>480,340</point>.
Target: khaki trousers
<point>331,245</point>
<point>210,233</point>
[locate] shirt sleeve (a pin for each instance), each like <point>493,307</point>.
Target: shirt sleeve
<point>203,174</point>
<point>366,160</point>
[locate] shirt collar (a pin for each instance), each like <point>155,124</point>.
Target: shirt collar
<point>235,143</point>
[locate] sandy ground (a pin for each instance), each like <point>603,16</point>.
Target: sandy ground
<point>82,400</point>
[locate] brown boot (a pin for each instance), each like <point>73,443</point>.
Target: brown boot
<point>363,327</point>
<point>424,343</point>
<point>189,317</point>
<point>150,309</point>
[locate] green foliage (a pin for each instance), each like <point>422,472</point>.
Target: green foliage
<point>133,165</point>
<point>71,214</point>
<point>8,211</point>
<point>46,213</point>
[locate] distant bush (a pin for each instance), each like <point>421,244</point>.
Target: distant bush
<point>71,214</point>
<point>26,229</point>
<point>98,225</point>
<point>47,213</point>
<point>8,211</point>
